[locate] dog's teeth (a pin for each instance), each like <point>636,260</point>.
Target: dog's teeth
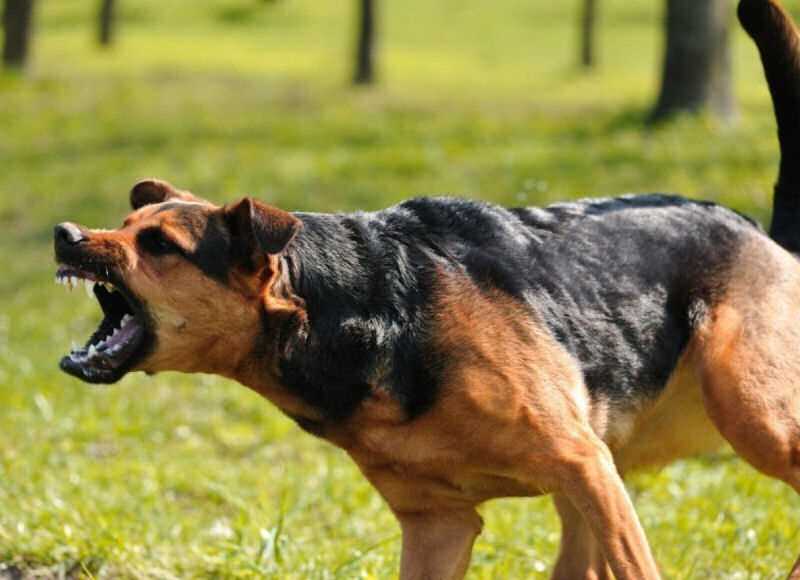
<point>89,285</point>
<point>125,319</point>
<point>92,351</point>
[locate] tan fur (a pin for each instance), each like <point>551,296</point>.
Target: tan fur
<point>580,555</point>
<point>512,419</point>
<point>196,315</point>
<point>750,362</point>
<point>673,426</point>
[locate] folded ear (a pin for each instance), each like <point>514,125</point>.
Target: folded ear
<point>258,229</point>
<point>150,191</point>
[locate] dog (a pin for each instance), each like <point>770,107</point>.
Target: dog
<point>459,351</point>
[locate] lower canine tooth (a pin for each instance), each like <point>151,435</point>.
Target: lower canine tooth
<point>89,285</point>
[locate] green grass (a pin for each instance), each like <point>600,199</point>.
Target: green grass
<point>187,476</point>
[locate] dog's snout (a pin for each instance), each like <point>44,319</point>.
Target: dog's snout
<point>68,234</point>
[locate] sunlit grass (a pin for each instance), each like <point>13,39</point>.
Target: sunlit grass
<point>180,476</point>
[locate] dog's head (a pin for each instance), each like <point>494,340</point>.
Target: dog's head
<point>181,284</point>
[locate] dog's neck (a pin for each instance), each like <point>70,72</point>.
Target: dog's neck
<point>340,316</point>
<point>318,344</point>
<point>280,319</point>
<point>329,264</point>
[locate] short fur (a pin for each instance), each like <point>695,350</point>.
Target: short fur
<point>459,351</point>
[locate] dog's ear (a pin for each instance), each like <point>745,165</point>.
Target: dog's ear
<point>258,229</point>
<point>150,191</point>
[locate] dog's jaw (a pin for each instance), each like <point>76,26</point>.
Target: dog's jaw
<point>122,338</point>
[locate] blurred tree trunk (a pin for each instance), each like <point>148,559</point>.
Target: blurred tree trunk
<point>697,61</point>
<point>105,31</point>
<point>589,34</point>
<point>17,21</point>
<point>365,44</point>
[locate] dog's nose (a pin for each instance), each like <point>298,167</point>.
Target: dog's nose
<point>68,234</point>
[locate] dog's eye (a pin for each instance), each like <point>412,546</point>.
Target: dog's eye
<point>155,242</point>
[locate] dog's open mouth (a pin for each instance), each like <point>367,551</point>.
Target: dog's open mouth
<point>121,338</point>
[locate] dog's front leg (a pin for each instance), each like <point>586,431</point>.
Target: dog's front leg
<point>580,556</point>
<point>593,485</point>
<point>437,545</point>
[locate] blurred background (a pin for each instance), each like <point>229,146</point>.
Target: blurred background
<point>335,106</point>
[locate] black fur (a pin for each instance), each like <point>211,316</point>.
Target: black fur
<point>618,282</point>
<point>367,288</point>
<point>213,253</point>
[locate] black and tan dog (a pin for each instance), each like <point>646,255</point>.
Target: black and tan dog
<point>459,351</point>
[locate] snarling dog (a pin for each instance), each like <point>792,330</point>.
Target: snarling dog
<point>460,351</point>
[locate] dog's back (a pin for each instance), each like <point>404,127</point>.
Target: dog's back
<point>620,283</point>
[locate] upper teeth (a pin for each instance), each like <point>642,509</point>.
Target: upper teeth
<point>89,285</point>
<point>71,281</point>
<point>68,281</point>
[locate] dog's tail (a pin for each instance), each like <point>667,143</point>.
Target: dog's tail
<point>778,41</point>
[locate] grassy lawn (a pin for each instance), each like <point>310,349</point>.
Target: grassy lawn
<point>189,476</point>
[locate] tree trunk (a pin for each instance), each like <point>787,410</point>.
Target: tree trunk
<point>697,61</point>
<point>17,19</point>
<point>365,46</point>
<point>588,34</point>
<point>105,31</point>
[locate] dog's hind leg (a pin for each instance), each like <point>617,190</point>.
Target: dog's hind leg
<point>580,556</point>
<point>748,356</point>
